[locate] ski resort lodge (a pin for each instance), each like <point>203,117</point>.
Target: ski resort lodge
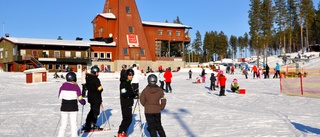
<point>119,37</point>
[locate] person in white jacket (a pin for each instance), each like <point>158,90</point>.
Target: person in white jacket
<point>161,79</point>
<point>135,80</point>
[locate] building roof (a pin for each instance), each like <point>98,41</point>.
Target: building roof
<point>164,24</point>
<point>108,15</point>
<point>35,41</point>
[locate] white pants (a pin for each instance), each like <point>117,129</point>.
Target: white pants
<point>64,123</point>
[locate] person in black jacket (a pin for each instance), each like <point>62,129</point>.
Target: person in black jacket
<point>123,72</point>
<point>126,101</point>
<point>212,82</point>
<point>94,98</point>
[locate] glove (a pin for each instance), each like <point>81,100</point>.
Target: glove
<point>82,102</point>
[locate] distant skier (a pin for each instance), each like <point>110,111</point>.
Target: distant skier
<point>222,80</point>
<point>190,74</point>
<point>161,79</point>
<point>203,75</point>
<point>245,72</point>
<point>168,76</point>
<point>212,82</point>
<point>234,86</point>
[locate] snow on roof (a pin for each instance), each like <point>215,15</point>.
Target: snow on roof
<point>175,25</point>
<point>108,15</point>
<point>36,41</point>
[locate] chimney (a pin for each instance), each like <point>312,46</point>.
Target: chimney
<point>78,38</point>
<point>7,35</point>
<point>59,38</point>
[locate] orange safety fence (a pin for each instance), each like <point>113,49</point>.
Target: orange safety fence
<point>300,81</point>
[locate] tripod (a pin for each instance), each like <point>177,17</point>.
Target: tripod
<point>135,106</point>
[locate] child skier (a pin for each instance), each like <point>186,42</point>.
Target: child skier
<point>234,85</point>
<point>153,99</point>
<point>212,82</point>
<point>222,81</point>
<point>190,74</point>
<point>70,94</point>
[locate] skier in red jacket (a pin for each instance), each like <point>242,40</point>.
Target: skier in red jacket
<point>222,80</point>
<point>168,76</point>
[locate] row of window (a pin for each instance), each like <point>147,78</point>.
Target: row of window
<point>5,54</point>
<point>169,32</point>
<point>102,55</point>
<point>126,51</point>
<point>56,54</point>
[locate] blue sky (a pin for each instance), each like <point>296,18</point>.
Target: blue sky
<point>72,18</point>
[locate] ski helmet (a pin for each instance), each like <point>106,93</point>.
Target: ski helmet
<point>134,65</point>
<point>129,72</point>
<point>71,76</point>
<point>152,79</point>
<point>95,69</point>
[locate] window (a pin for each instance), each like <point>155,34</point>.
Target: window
<point>142,52</point>
<point>78,54</point>
<point>102,55</point>
<point>57,54</point>
<point>178,33</point>
<point>95,54</point>
<point>169,32</point>
<point>1,55</point>
<point>110,10</point>
<point>57,67</point>
<point>131,30</point>
<point>6,54</point>
<point>15,51</point>
<point>34,53</point>
<point>68,54</point>
<point>45,54</point>
<point>128,10</point>
<point>125,51</point>
<point>23,52</point>
<point>108,55</point>
<point>50,66</point>
<point>160,32</point>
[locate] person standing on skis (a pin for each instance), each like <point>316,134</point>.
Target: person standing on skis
<point>70,95</point>
<point>94,98</point>
<point>127,96</point>
<point>153,100</point>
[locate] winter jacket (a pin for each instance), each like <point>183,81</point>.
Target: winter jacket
<point>168,75</point>
<point>213,79</point>
<point>153,99</point>
<point>161,76</point>
<point>94,89</point>
<point>136,75</point>
<point>254,68</point>
<point>234,87</point>
<point>278,67</point>
<point>222,80</point>
<point>203,73</point>
<point>69,93</point>
<point>126,93</point>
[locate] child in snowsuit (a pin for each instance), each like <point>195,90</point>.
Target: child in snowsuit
<point>203,75</point>
<point>153,99</point>
<point>198,80</point>
<point>70,94</point>
<point>212,82</point>
<point>222,81</point>
<point>234,85</point>
<point>245,73</point>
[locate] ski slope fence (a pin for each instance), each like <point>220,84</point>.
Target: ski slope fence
<point>300,82</point>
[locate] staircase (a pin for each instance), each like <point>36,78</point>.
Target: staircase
<point>34,61</point>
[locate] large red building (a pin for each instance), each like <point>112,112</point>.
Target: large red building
<point>138,40</point>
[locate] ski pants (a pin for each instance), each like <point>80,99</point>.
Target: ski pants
<point>222,90</point>
<point>64,122</point>
<point>212,85</point>
<point>126,118</point>
<point>168,87</point>
<point>161,84</point>
<point>154,124</point>
<point>93,114</point>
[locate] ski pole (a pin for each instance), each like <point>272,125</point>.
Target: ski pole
<point>142,132</point>
<point>81,120</point>
<point>105,115</point>
<point>54,134</point>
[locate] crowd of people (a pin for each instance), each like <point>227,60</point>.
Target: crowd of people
<point>152,98</point>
